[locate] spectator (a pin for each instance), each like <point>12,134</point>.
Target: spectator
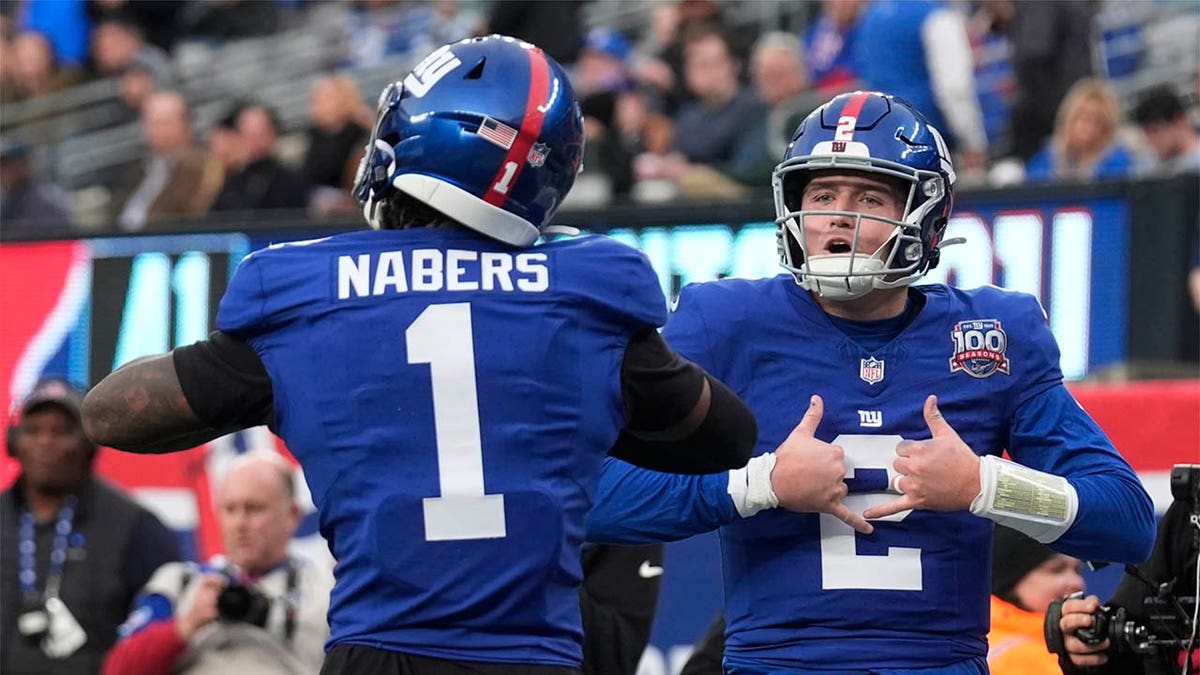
<point>187,620</point>
<point>1051,50</point>
<point>1026,577</point>
<point>782,83</point>
<point>554,25</point>
<point>614,116</point>
<point>377,29</point>
<point>830,46</point>
<point>1084,145</point>
<point>995,82</point>
<point>1169,132</point>
<point>115,42</point>
<point>712,129</point>
<point>177,179</point>
<point>158,20</point>
<point>34,69</point>
<point>27,204</point>
<point>263,182</point>
<point>602,63</point>
<point>224,144</point>
<point>142,75</point>
<point>659,68</point>
<point>64,23</point>
<point>75,550</point>
<point>336,136</point>
<point>675,26</point>
<point>919,51</point>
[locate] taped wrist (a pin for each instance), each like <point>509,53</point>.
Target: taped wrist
<point>750,486</point>
<point>1036,503</point>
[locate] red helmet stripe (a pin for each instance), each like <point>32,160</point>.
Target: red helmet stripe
<point>852,108</point>
<point>531,128</point>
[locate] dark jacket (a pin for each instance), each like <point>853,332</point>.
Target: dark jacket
<point>114,547</point>
<point>263,184</point>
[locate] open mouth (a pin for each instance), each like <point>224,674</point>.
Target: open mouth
<point>838,246</point>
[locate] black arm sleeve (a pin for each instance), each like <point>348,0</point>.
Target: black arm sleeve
<point>225,382</point>
<point>618,599</point>
<point>706,660</point>
<point>680,419</point>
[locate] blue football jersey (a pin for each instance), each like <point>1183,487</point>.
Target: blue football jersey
<point>450,400</point>
<point>804,590</point>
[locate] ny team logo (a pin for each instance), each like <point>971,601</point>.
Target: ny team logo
<point>870,370</point>
<point>979,347</point>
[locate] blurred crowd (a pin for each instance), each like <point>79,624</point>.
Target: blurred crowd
<point>693,101</point>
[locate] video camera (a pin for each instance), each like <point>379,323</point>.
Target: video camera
<point>1167,624</point>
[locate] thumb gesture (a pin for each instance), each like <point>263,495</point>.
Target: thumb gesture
<point>809,473</point>
<point>938,426</point>
<point>939,474</point>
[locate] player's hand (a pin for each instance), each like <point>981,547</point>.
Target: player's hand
<point>940,474</point>
<point>809,473</point>
<point>203,607</point>
<point>1076,614</point>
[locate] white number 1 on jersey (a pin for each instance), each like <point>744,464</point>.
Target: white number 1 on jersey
<point>441,336</point>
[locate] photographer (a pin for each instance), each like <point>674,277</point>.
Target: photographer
<point>256,611</point>
<point>1173,562</point>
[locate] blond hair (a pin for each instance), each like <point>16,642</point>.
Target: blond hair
<point>1084,90</point>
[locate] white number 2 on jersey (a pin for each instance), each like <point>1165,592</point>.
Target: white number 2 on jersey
<point>441,336</point>
<point>841,565</point>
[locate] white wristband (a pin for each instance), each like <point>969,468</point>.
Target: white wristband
<point>1036,503</point>
<point>750,486</point>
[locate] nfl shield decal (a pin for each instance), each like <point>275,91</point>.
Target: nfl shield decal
<point>870,370</point>
<point>537,154</point>
<point>979,347</point>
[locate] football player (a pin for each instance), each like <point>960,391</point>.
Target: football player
<point>920,387</point>
<point>449,388</point>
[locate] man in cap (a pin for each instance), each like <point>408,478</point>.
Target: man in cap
<point>74,549</point>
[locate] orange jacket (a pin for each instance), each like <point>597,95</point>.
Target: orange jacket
<point>1016,645</point>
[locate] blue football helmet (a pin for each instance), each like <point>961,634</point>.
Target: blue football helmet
<point>875,134</point>
<point>487,131</point>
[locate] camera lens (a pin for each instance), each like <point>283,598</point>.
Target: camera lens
<point>242,603</point>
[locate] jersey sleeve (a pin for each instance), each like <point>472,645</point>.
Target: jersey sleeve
<point>688,332</point>
<point>1115,521</point>
<point>620,280</point>
<point>1035,353</point>
<point>270,287</point>
<point>243,311</point>
<point>639,506</point>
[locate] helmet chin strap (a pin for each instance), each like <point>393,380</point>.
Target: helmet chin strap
<point>841,276</point>
<point>846,276</point>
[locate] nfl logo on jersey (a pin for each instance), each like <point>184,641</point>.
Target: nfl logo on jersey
<point>870,370</point>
